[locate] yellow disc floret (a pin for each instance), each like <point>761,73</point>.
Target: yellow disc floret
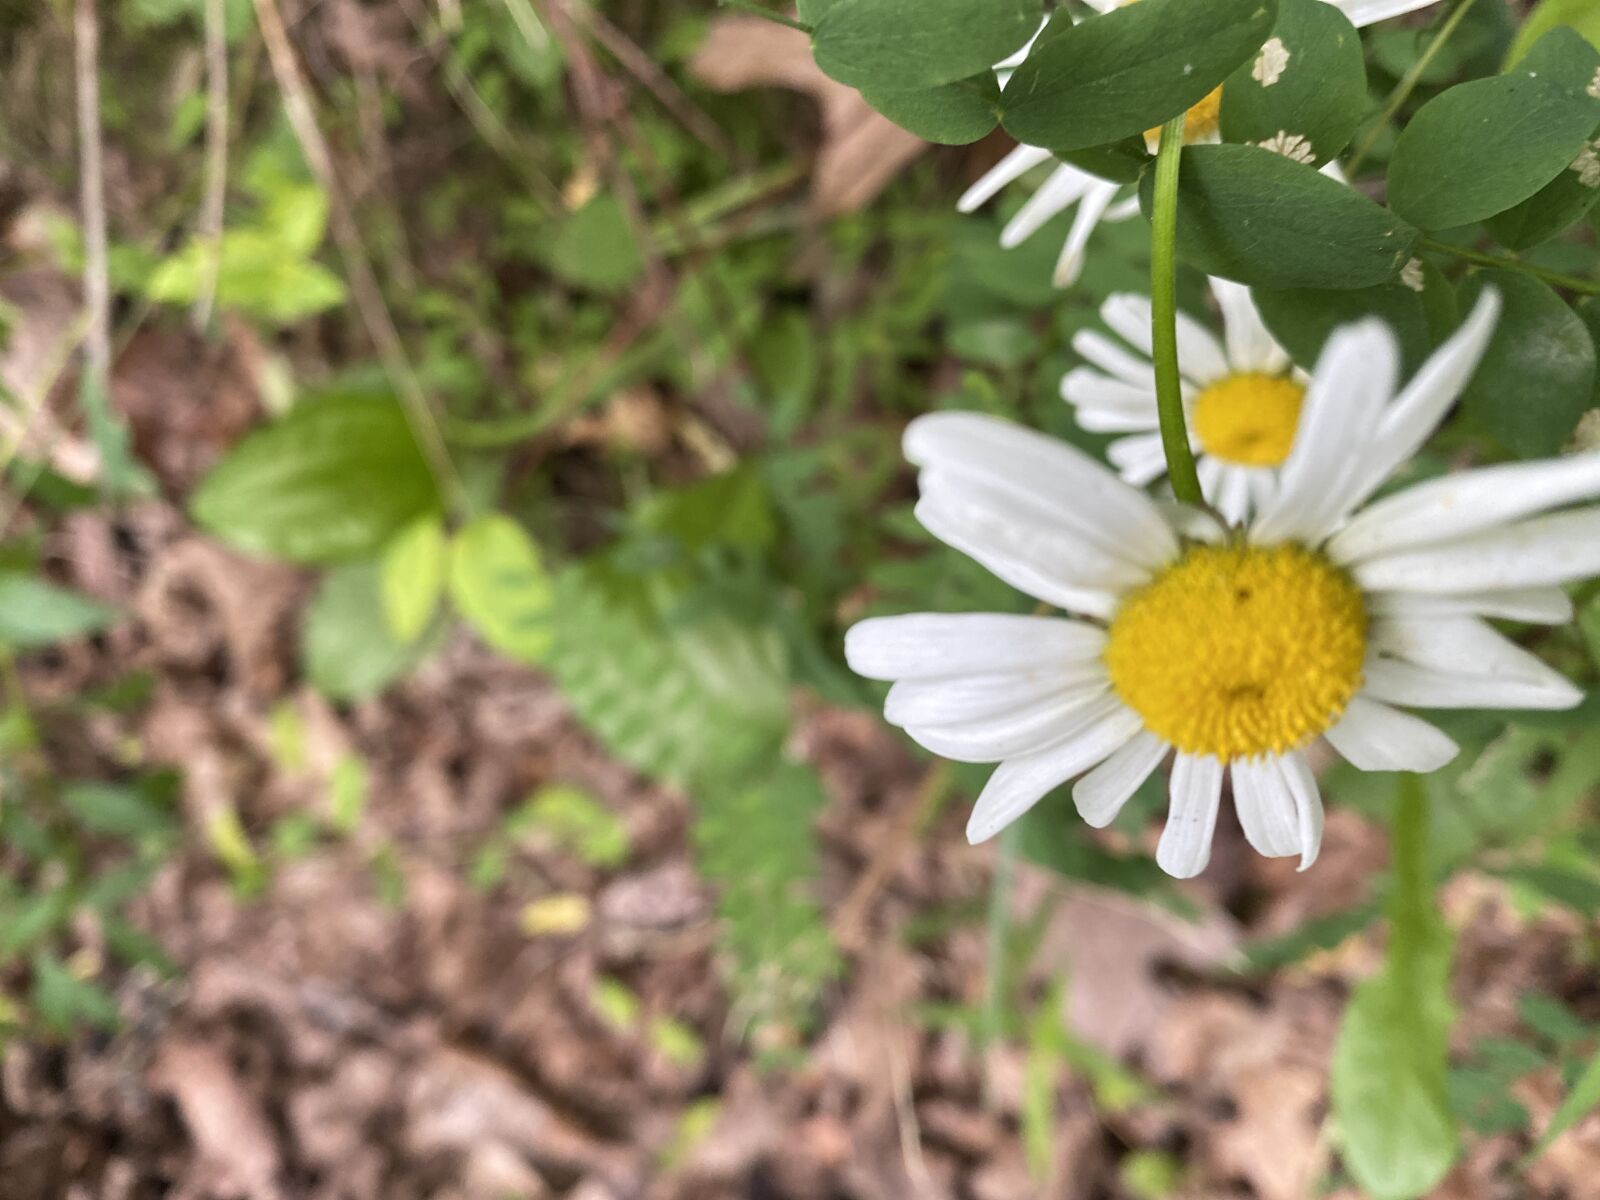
<point>1249,419</point>
<point>1200,123</point>
<point>1237,650</point>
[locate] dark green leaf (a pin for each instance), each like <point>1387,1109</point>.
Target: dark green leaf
<point>34,613</point>
<point>1485,146</point>
<point>1248,214</point>
<point>63,1001</point>
<point>122,810</point>
<point>1303,318</point>
<point>334,479</point>
<point>1127,71</point>
<point>952,114</point>
<point>910,44</point>
<point>1583,1099</point>
<point>1538,374</point>
<point>1305,91</point>
<point>1557,206</point>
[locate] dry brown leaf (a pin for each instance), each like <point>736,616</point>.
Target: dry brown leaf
<point>861,151</point>
<point>229,1130</point>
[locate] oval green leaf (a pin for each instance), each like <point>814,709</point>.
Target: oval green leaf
<point>1537,376</point>
<point>1557,206</point>
<point>952,115</point>
<point>1305,91</point>
<point>1302,319</point>
<point>498,581</point>
<point>1127,71</point>
<point>413,573</point>
<point>349,652</point>
<point>332,480</point>
<point>1482,147</point>
<point>1246,213</point>
<point>904,45</point>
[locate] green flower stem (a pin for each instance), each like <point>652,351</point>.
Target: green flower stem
<point>1164,305</point>
<point>1588,287</point>
<point>1403,89</point>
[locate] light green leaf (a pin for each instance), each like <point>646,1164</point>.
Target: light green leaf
<point>413,576</point>
<point>1248,214</point>
<point>1582,15</point>
<point>910,44</point>
<point>334,479</point>
<point>1127,71</point>
<point>63,1001</point>
<point>1389,1089</point>
<point>1305,89</point>
<point>578,822</point>
<point>121,810</point>
<point>350,653</point>
<point>498,582</point>
<point>34,613</point>
<point>595,247</point>
<point>1538,374</point>
<point>952,114</point>
<point>1483,147</point>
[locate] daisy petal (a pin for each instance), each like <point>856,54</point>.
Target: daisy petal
<point>1018,783</point>
<point>949,645</point>
<point>1020,731</point>
<point>1461,646</point>
<point>1466,503</point>
<point>1535,605</point>
<point>1130,318</point>
<point>1355,376</point>
<point>1109,405</point>
<point>1081,493</point>
<point>1421,405</point>
<point>1140,460</point>
<point>1302,784</point>
<point>1266,807</point>
<point>1008,170</point>
<point>1532,553</point>
<point>1375,737</point>
<point>1196,793</point>
<point>1101,793</point>
<point>1116,361</point>
<point>1058,193</point>
<point>1091,210</point>
<point>976,697</point>
<point>1367,12</point>
<point>1250,346</point>
<point>1398,682</point>
<point>1233,494</point>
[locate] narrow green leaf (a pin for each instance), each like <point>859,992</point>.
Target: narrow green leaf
<point>332,480</point>
<point>1579,1103</point>
<point>1246,213</point>
<point>1485,146</point>
<point>1538,374</point>
<point>905,45</point>
<point>1127,71</point>
<point>498,582</point>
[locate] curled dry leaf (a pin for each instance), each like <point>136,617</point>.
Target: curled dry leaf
<point>861,151</point>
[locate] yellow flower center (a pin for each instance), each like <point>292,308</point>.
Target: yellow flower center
<point>1237,650</point>
<point>1249,419</point>
<point>1200,123</point>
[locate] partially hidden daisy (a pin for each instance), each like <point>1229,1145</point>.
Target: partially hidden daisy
<point>1324,617</point>
<point>1096,198</point>
<point>1242,396</point>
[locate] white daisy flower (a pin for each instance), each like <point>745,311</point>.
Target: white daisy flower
<point>1242,397</point>
<point>1238,649</point>
<point>1096,198</point>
